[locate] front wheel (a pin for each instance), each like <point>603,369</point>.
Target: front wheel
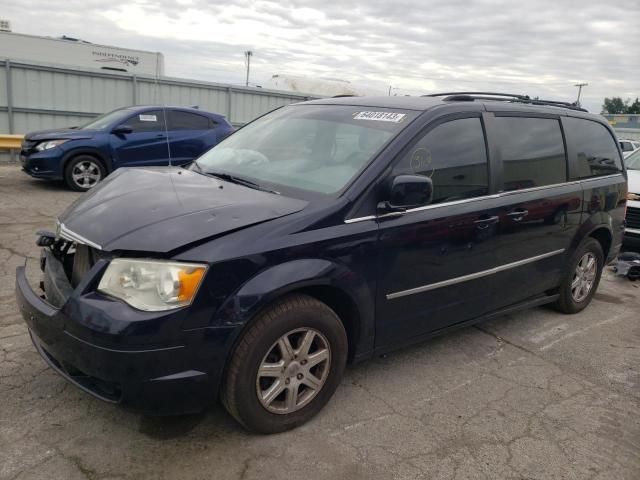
<point>83,173</point>
<point>286,366</point>
<point>582,277</point>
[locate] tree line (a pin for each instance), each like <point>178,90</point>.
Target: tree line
<point>617,105</point>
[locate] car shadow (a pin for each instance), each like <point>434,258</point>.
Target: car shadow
<point>167,428</point>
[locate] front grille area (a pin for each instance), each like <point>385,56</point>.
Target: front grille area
<point>633,217</point>
<point>82,263</point>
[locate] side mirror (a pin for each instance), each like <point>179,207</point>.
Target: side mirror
<point>122,129</point>
<point>408,191</point>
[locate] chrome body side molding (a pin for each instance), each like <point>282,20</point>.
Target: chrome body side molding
<point>472,276</point>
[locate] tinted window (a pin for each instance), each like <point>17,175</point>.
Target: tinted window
<point>626,146</point>
<point>454,156</point>
<point>152,121</point>
<point>187,121</point>
<point>532,152</point>
<point>595,147</point>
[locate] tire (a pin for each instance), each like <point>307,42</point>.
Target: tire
<point>249,398</point>
<point>574,299</point>
<point>83,172</point>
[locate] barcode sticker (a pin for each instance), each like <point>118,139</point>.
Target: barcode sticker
<point>380,116</point>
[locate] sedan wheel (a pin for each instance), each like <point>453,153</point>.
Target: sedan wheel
<point>83,172</point>
<point>86,174</point>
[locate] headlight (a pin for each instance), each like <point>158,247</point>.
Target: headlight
<point>633,196</point>
<point>152,285</point>
<point>49,144</point>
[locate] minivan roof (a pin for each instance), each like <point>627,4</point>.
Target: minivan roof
<point>426,103</point>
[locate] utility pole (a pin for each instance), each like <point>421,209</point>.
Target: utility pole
<point>579,85</point>
<point>248,55</point>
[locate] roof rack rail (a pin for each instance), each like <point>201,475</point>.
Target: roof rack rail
<point>503,97</point>
<point>492,94</point>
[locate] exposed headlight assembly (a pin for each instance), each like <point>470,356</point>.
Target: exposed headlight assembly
<point>49,144</point>
<point>152,285</point>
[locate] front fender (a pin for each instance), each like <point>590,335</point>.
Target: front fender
<point>87,150</point>
<point>270,284</point>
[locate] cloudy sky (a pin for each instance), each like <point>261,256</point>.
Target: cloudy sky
<point>537,47</point>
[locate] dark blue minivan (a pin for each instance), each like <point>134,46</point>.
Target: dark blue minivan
<point>321,233</point>
<point>132,137</point>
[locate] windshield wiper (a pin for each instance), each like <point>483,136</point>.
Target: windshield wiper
<point>233,179</point>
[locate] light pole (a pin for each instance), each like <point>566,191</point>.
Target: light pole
<point>579,85</point>
<point>248,55</point>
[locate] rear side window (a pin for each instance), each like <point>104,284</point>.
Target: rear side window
<point>187,121</point>
<point>595,147</point>
<point>532,152</point>
<point>152,121</point>
<point>454,156</point>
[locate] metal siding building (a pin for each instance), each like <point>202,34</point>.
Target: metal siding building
<point>38,96</point>
<point>626,125</point>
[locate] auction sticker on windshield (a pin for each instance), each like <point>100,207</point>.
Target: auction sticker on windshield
<point>380,116</point>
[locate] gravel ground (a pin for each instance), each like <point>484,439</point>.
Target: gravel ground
<point>534,395</point>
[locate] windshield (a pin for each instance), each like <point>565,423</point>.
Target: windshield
<point>317,148</point>
<point>103,121</point>
<point>632,162</point>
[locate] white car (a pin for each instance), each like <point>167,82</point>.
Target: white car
<point>632,230</point>
<point>629,146</point>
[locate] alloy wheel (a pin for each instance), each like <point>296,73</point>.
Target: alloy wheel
<point>584,277</point>
<point>86,174</point>
<point>293,371</point>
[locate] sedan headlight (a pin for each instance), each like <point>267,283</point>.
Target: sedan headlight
<point>49,144</point>
<point>152,285</point>
<point>633,196</point>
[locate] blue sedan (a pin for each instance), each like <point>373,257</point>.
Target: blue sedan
<point>132,136</point>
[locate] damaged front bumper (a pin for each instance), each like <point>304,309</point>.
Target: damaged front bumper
<point>142,360</point>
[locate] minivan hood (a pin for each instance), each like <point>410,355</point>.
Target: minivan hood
<point>163,208</point>
<point>59,133</point>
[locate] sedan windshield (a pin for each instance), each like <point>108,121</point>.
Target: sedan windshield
<point>632,162</point>
<point>317,148</point>
<point>103,121</point>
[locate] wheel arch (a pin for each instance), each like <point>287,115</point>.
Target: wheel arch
<point>604,236</point>
<point>600,230</point>
<point>70,155</point>
<point>326,281</point>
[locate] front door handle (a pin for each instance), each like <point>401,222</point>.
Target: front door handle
<point>518,214</point>
<point>483,223</point>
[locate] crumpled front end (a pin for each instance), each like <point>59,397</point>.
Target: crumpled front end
<point>140,359</point>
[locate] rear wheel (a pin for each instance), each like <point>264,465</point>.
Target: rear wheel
<point>83,173</point>
<point>286,366</point>
<point>582,277</point>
